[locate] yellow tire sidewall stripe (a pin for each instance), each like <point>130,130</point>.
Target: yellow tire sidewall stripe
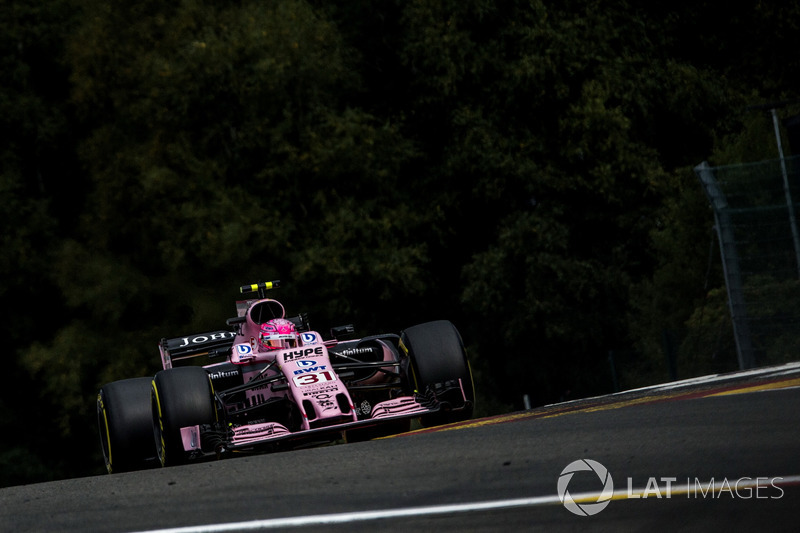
<point>107,431</point>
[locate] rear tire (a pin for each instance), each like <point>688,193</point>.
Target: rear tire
<point>181,397</point>
<point>438,357</point>
<point>125,422</point>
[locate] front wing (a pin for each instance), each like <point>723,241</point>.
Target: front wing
<point>203,440</point>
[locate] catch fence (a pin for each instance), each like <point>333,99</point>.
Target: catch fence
<point>756,208</point>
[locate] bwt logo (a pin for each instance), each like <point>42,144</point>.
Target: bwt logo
<point>581,507</point>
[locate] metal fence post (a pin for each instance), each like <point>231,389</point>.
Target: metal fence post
<point>730,265</point>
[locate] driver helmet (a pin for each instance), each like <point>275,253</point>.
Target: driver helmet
<point>277,334</point>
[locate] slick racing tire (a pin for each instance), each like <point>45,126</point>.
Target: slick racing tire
<point>438,359</point>
<point>181,397</point>
<point>126,425</point>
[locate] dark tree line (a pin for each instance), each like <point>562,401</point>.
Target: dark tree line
<point>521,168</point>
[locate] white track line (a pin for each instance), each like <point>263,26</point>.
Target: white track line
<point>360,516</point>
<point>700,489</point>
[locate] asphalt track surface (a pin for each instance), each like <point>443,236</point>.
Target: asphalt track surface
<point>702,455</point>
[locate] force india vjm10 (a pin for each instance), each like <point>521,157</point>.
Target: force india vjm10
<point>270,383</point>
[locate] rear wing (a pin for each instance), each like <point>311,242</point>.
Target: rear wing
<point>219,343</point>
<point>214,343</point>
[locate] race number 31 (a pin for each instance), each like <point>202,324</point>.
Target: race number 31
<point>310,379</point>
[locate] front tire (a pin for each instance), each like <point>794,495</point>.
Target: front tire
<point>439,362</point>
<point>181,397</point>
<point>126,425</point>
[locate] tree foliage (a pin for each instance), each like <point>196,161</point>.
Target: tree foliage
<point>521,168</point>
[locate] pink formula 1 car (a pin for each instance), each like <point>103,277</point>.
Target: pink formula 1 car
<point>270,382</point>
